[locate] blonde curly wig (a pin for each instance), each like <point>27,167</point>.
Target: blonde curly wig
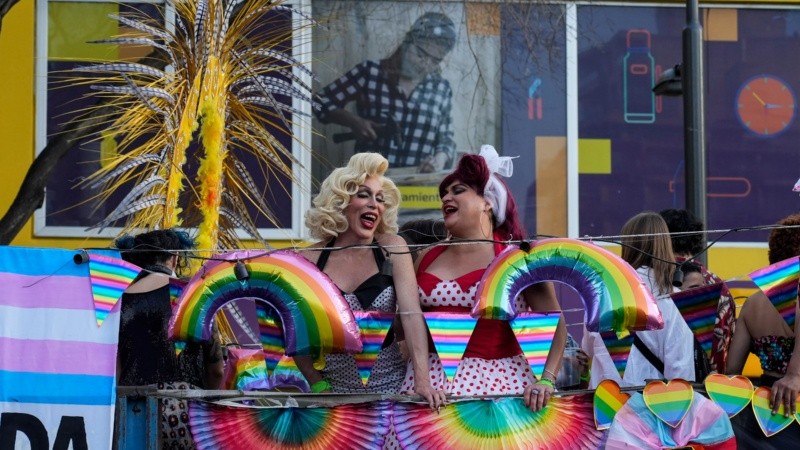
<point>326,220</point>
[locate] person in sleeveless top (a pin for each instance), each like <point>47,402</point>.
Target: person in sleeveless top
<point>146,355</point>
<point>355,219</point>
<point>477,206</point>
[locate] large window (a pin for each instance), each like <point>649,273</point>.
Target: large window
<point>65,32</point>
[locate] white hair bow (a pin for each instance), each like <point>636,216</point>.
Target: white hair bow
<point>495,191</point>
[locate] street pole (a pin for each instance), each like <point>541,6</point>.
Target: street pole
<point>694,138</point>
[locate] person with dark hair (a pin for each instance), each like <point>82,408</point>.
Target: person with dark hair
<point>686,233</point>
<point>477,206</point>
<point>146,356</point>
<point>403,105</point>
<point>692,276</point>
<point>647,248</point>
<point>760,329</point>
<point>422,232</point>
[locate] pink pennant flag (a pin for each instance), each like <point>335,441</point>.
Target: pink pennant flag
<point>779,283</point>
<point>450,333</point>
<point>534,333</point>
<point>109,277</point>
<point>373,327</point>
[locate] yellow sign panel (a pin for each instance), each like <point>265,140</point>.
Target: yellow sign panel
<point>420,197</point>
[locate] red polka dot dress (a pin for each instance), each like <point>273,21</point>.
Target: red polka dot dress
<point>493,362</point>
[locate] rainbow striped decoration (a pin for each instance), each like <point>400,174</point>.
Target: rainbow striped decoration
<point>613,294</point>
<point>175,289</point>
<point>315,316</point>
<point>110,277</point>
<point>356,427</point>
<point>699,309</point>
<point>669,401</point>
<point>246,370</point>
<point>769,423</point>
<point>506,423</point>
<point>534,332</point>
<point>450,333</point>
<point>732,394</point>
<point>779,283</point>
<point>608,400</point>
<point>270,332</point>
<point>55,362</point>
<point>619,349</point>
<point>373,327</point>
<point>287,376</point>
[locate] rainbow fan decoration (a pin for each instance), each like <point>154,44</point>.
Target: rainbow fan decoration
<point>534,332</point>
<point>109,277</point>
<point>566,422</point>
<point>614,296</point>
<point>246,370</point>
<point>619,349</point>
<point>270,333</point>
<point>450,333</point>
<point>350,427</point>
<point>373,327</point>
<point>779,283</point>
<point>315,316</point>
<point>699,309</point>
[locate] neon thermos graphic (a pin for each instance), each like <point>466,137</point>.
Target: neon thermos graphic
<point>638,78</point>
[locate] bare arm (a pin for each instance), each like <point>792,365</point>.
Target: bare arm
<point>785,390</point>
<point>306,366</point>
<point>363,129</point>
<point>542,298</point>
<point>405,285</point>
<point>740,347</point>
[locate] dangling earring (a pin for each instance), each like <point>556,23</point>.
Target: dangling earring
<point>486,235</point>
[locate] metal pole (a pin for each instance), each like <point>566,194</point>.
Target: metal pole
<point>694,137</point>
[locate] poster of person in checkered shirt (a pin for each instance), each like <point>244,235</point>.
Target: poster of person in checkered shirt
<point>403,105</point>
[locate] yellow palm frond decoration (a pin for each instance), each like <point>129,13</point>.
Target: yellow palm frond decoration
<point>229,64</point>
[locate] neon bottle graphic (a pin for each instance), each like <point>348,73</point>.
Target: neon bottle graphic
<point>638,78</point>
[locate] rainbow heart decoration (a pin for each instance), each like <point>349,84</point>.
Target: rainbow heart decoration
<point>770,424</point>
<point>732,394</point>
<point>670,401</point>
<point>608,399</point>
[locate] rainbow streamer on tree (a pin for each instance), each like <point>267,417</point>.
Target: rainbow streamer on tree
<point>534,332</point>
<point>699,309</point>
<point>246,370</point>
<point>566,422</point>
<point>614,296</point>
<point>373,327</point>
<point>619,349</point>
<point>109,277</point>
<point>779,283</point>
<point>350,427</point>
<point>315,316</point>
<point>450,333</point>
<point>271,335</point>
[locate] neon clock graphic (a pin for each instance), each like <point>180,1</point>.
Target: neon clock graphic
<point>765,105</point>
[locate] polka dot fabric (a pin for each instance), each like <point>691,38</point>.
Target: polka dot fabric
<point>387,374</point>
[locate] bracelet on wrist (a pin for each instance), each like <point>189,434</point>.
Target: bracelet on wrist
<point>586,376</point>
<point>546,382</point>
<point>554,377</point>
<point>320,386</point>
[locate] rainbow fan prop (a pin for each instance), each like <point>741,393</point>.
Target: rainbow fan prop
<point>612,293</point>
<point>779,283</point>
<point>315,317</point>
<point>343,427</point>
<point>246,370</point>
<point>699,309</point>
<point>109,277</point>
<point>373,327</point>
<point>450,333</point>
<point>534,332</point>
<point>619,349</point>
<point>506,423</point>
